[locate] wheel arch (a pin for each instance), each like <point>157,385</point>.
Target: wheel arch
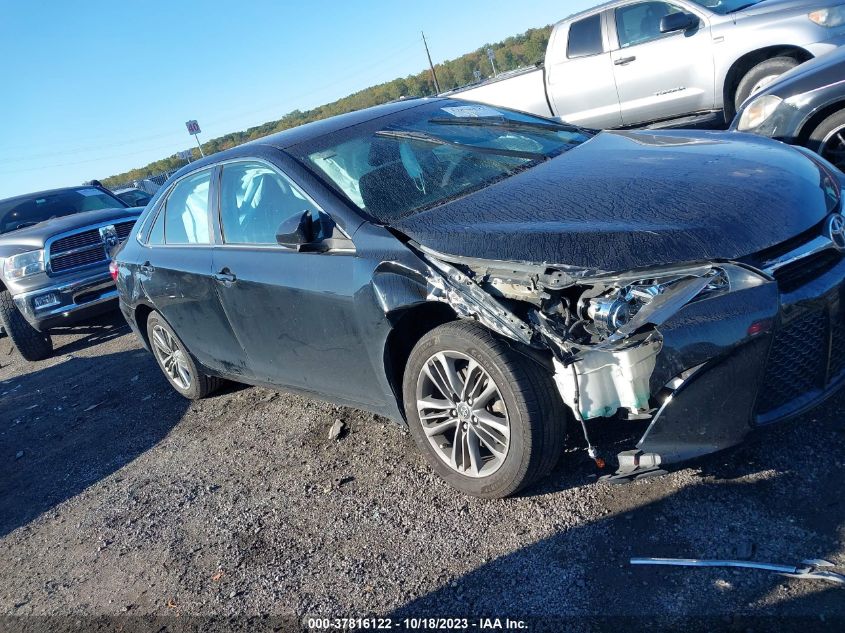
<point>750,59</point>
<point>141,314</point>
<point>409,326</point>
<point>815,119</point>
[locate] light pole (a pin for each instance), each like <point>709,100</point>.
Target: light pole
<point>492,57</point>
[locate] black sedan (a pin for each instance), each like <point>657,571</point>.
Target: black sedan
<point>805,106</point>
<point>491,278</point>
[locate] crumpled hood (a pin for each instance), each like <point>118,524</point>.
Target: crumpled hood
<point>626,200</point>
<point>34,237</point>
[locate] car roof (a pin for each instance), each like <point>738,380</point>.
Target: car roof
<point>591,10</point>
<point>48,192</point>
<point>315,129</point>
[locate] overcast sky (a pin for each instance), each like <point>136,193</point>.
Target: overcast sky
<point>94,88</point>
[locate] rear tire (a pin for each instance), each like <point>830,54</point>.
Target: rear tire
<point>521,416</point>
<point>176,362</point>
<point>31,344</point>
<point>761,76</point>
<point>828,139</point>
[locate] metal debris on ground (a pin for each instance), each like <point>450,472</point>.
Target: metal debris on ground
<point>806,569</point>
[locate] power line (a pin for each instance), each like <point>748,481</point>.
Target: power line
<point>90,160</point>
<point>389,58</point>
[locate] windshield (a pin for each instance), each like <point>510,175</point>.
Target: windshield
<point>723,7</point>
<point>24,211</point>
<point>402,164</point>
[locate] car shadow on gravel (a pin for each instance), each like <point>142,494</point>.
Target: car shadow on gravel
<point>93,332</point>
<point>778,499</point>
<point>67,426</point>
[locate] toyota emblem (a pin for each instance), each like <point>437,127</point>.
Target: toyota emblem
<point>836,231</point>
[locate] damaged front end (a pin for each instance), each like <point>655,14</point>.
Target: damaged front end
<point>628,346</point>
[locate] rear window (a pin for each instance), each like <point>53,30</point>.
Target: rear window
<point>21,212</point>
<point>585,38</point>
<point>186,210</point>
<point>135,197</point>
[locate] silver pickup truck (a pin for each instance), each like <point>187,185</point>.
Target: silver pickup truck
<point>633,63</point>
<point>54,261</point>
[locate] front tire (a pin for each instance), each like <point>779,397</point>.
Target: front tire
<point>828,139</point>
<point>488,419</point>
<point>176,363</point>
<point>31,344</point>
<point>760,76</point>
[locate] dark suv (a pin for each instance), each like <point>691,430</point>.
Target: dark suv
<point>54,256</point>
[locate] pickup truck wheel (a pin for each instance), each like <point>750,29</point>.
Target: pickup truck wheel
<point>760,76</point>
<point>176,363</point>
<point>488,419</point>
<point>828,139</point>
<point>31,344</point>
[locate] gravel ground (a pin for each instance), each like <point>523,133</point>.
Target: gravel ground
<point>119,497</point>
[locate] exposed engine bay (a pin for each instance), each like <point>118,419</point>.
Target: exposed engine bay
<point>602,329</point>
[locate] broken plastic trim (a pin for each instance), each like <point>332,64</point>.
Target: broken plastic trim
<point>612,367</point>
<point>469,300</point>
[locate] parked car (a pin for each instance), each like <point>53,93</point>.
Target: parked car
<point>146,185</point>
<point>489,277</point>
<point>632,63</point>
<point>54,253</point>
<point>806,106</point>
<point>133,197</point>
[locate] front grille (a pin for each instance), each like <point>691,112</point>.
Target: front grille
<point>123,229</point>
<point>85,248</point>
<point>793,276</point>
<point>63,263</point>
<point>77,240</point>
<point>837,348</point>
<point>797,363</point>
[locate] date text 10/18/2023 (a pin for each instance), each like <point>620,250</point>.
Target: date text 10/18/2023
<point>411,624</point>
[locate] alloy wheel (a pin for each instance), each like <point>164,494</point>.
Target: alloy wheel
<point>463,414</point>
<point>833,147</point>
<point>171,357</point>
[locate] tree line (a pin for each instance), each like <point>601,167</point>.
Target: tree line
<point>521,50</point>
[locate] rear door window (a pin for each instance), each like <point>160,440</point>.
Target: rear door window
<point>585,38</point>
<point>186,211</point>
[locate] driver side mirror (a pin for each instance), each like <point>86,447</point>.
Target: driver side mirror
<point>298,232</point>
<point>678,22</point>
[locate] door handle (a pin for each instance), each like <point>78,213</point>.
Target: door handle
<point>622,61</point>
<point>147,268</point>
<point>225,277</point>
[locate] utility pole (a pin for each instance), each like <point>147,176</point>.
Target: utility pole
<point>492,57</point>
<point>430,65</point>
